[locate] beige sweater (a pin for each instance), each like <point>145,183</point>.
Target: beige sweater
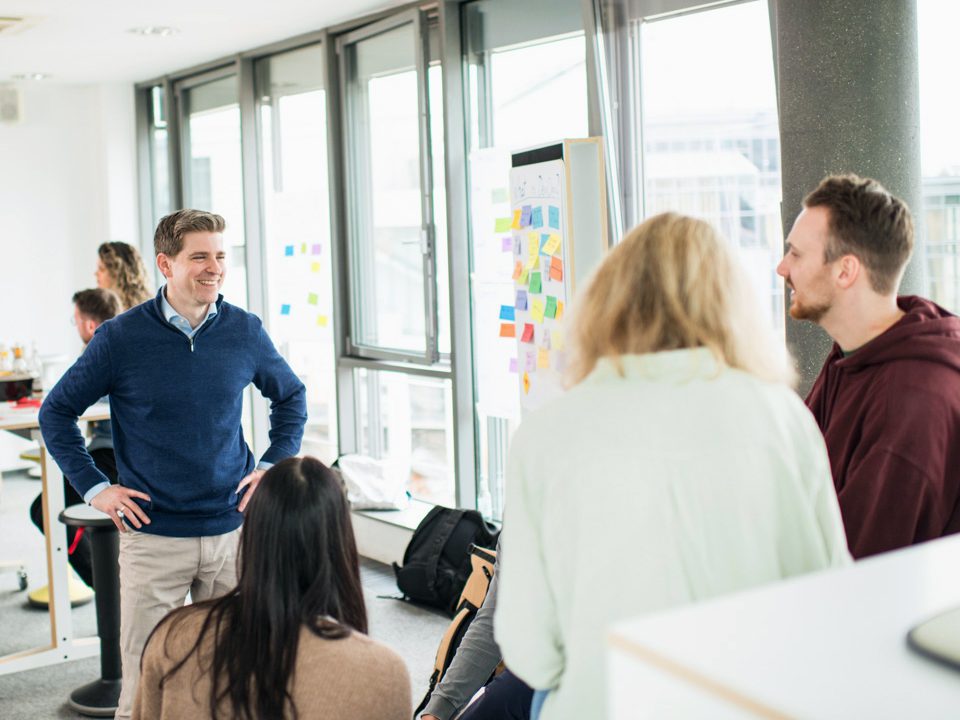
<point>352,677</point>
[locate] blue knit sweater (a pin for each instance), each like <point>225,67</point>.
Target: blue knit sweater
<point>175,406</point>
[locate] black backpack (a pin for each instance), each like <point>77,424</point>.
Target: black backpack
<point>436,563</point>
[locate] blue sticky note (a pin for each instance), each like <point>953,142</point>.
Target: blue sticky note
<point>521,303</point>
<point>285,309</point>
<point>506,312</point>
<point>288,251</point>
<point>525,216</point>
<point>536,217</point>
<point>554,217</point>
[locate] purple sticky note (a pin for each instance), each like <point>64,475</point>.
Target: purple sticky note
<point>316,249</point>
<point>506,244</point>
<point>525,216</point>
<point>521,303</point>
<point>513,365</point>
<point>531,365</point>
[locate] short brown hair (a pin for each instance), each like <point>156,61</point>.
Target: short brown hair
<point>98,304</point>
<point>168,238</point>
<point>866,221</point>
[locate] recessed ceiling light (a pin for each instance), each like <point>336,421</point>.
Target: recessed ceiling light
<point>32,76</point>
<point>154,30</point>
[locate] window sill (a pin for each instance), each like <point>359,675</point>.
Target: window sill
<point>383,535</point>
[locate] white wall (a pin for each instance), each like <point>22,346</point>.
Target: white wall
<point>67,183</point>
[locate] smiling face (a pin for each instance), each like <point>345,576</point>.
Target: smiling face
<point>808,276</point>
<point>195,274</point>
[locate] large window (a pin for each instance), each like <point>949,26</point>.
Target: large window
<point>940,150</point>
<point>160,204</point>
<point>527,86</point>
<point>295,212</point>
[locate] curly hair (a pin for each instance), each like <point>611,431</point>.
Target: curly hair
<point>126,269</point>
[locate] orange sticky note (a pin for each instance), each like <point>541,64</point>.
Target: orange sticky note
<point>543,358</point>
<point>517,269</point>
<point>526,383</point>
<point>556,268</point>
<point>516,220</point>
<point>559,309</point>
<point>527,336</point>
<point>508,330</point>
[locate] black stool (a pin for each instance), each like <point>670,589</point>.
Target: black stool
<point>100,697</point>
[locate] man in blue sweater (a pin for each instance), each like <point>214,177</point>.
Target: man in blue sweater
<point>175,369</point>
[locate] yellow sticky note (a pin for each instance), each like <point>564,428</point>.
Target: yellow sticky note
<point>516,220</point>
<point>502,224</point>
<point>526,383</point>
<point>524,275</point>
<point>556,339</point>
<point>303,249</point>
<point>533,246</point>
<point>315,267</point>
<point>543,358</point>
<point>531,261</point>
<point>322,320</point>
<point>552,244</point>
<point>559,309</point>
<point>536,310</point>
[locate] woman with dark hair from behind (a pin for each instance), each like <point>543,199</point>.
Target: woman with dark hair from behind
<point>288,641</point>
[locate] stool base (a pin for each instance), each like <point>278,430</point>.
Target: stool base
<point>96,699</point>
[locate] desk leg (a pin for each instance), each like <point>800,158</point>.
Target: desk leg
<point>61,619</point>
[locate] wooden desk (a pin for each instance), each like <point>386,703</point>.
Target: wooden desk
<point>63,646</point>
<point>823,646</point>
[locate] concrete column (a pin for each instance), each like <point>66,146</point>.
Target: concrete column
<point>848,86</point>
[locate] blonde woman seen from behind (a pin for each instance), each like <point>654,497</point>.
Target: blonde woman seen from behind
<point>678,467</point>
<point>120,268</point>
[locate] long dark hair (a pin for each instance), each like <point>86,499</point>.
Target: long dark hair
<point>297,567</point>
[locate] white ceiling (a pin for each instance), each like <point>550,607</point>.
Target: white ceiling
<point>86,41</point>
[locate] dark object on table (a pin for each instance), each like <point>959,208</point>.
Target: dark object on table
<point>14,387</point>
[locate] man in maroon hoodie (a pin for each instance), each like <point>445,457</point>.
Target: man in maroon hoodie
<point>888,397</point>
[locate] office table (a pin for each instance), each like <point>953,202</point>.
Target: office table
<point>63,645</point>
<point>822,646</point>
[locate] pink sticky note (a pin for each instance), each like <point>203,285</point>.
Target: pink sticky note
<point>513,365</point>
<point>527,333</point>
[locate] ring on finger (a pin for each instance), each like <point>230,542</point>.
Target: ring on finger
<point>120,512</point>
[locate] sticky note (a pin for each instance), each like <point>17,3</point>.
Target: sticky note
<point>313,299</point>
<point>556,269</point>
<point>521,303</point>
<point>506,244</point>
<point>288,251</point>
<point>508,330</point>
<point>527,336</point>
<point>499,195</point>
<point>544,239</point>
<point>533,245</point>
<point>536,310</point>
<point>501,225</point>
<point>524,275</point>
<point>554,216</point>
<point>545,341</point>
<point>556,339</point>
<point>551,309</point>
<point>513,365</point>
<point>553,244</point>
<point>531,362</point>
<point>284,309</point>
<point>322,320</point>
<point>517,269</point>
<point>559,309</point>
<point>506,313</point>
<point>530,262</point>
<point>526,384</point>
<point>515,224</point>
<point>303,249</point>
<point>543,358</point>
<point>315,267</point>
<point>536,217</point>
<point>316,249</point>
<point>535,283</point>
<point>525,216</point>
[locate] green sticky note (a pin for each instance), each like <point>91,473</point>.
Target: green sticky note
<point>502,224</point>
<point>313,299</point>
<point>551,310</point>
<point>535,284</point>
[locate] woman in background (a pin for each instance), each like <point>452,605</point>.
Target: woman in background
<point>289,641</point>
<point>678,467</point>
<point>120,268</point>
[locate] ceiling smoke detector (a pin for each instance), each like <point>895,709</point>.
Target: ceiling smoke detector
<point>154,31</point>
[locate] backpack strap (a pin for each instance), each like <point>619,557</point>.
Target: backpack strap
<point>448,521</point>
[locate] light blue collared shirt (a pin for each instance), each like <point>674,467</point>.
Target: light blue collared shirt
<point>183,325</point>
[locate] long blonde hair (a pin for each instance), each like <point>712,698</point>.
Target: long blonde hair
<point>672,283</point>
<point>126,269</point>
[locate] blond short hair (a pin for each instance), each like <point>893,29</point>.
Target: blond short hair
<point>673,283</point>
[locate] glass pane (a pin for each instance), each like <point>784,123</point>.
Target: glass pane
<point>159,162</point>
<point>711,143</point>
<point>408,419</point>
<point>213,174</point>
<point>384,199</point>
<point>940,150</point>
<point>521,94</point>
<point>291,103</point>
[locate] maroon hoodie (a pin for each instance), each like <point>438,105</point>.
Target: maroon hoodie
<point>890,414</point>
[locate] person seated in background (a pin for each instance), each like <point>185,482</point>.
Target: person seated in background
<point>91,308</point>
<point>679,466</point>
<point>289,640</point>
<point>120,268</point>
<point>506,697</point>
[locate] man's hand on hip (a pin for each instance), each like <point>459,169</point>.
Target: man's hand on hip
<point>250,482</point>
<point>117,502</point>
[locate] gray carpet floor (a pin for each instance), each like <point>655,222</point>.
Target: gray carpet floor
<point>42,693</point>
